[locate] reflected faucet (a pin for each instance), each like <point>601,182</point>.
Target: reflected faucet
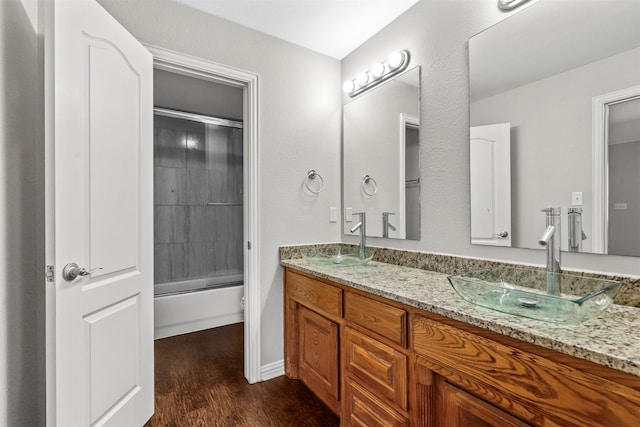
<point>551,240</point>
<point>576,233</point>
<point>386,225</point>
<point>362,226</point>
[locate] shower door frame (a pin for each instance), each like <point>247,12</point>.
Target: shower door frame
<point>186,65</point>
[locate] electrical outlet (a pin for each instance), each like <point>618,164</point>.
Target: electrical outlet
<point>576,198</point>
<point>619,206</point>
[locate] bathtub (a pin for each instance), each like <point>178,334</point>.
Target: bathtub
<point>180,309</point>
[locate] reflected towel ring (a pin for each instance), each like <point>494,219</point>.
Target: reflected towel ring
<point>367,180</point>
<point>311,177</point>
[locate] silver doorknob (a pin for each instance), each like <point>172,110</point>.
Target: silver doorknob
<point>72,270</point>
<point>502,235</point>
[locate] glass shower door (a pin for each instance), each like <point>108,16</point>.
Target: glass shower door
<point>198,202</point>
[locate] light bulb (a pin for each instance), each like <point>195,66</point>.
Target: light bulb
<point>362,79</point>
<point>377,70</point>
<point>348,86</point>
<point>395,60</point>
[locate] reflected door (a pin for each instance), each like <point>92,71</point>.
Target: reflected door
<point>490,154</point>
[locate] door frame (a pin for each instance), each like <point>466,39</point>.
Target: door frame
<point>406,120</point>
<point>600,163</point>
<point>178,63</point>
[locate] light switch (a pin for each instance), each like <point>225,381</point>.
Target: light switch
<point>348,214</point>
<point>619,206</point>
<point>576,198</point>
<point>333,214</point>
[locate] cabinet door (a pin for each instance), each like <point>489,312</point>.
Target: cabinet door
<point>318,352</point>
<point>460,408</point>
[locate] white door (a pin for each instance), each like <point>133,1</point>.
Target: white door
<point>491,185</point>
<point>99,215</point>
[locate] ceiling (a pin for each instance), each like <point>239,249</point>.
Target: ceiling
<point>550,38</point>
<point>331,27</point>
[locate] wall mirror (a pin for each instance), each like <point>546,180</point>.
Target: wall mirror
<point>381,174</point>
<point>555,121</point>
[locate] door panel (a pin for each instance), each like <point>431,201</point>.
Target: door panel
<point>114,146</point>
<point>490,175</point>
<point>99,81</point>
<point>112,379</point>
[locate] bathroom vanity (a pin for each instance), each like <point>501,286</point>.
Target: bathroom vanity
<point>388,345</point>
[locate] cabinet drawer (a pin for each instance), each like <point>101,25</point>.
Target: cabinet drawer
<point>362,409</point>
<point>383,319</point>
<point>379,367</point>
<point>314,294</point>
<point>527,385</point>
<point>462,409</point>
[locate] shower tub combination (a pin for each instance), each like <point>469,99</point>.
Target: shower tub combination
<point>198,222</point>
<point>193,305</point>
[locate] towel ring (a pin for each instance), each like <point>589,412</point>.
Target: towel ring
<point>367,180</point>
<point>311,177</point>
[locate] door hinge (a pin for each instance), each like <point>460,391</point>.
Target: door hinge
<point>49,273</point>
<point>249,245</point>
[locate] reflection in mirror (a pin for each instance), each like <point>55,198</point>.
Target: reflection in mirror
<point>381,173</point>
<point>556,74</point>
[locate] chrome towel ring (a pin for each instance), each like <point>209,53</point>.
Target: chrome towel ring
<point>312,184</point>
<point>368,181</point>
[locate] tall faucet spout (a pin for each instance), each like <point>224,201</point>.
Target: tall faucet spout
<point>550,239</point>
<point>547,236</point>
<point>362,226</point>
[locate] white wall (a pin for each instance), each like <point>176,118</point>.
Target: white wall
<point>551,146</point>
<point>299,129</point>
<point>436,33</point>
<point>19,299</point>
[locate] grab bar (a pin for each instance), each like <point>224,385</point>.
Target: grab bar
<point>223,204</point>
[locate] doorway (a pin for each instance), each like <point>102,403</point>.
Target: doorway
<point>183,65</point>
<point>616,147</point>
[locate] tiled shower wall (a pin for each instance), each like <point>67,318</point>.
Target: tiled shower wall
<point>196,164</point>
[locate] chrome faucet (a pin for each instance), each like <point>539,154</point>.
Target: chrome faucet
<point>386,225</point>
<point>362,226</point>
<point>551,240</point>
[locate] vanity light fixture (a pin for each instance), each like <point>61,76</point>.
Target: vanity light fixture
<point>379,72</point>
<point>510,4</point>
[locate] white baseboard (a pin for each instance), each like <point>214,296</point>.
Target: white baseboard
<point>272,370</point>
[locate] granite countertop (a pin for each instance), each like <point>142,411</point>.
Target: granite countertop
<point>611,339</point>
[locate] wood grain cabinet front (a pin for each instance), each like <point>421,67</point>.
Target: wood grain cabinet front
<point>382,363</point>
<point>319,362</point>
<point>528,386</point>
<point>459,408</point>
<point>377,366</point>
<point>383,319</point>
<point>363,409</point>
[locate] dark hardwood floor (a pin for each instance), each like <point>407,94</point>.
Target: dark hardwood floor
<point>199,381</point>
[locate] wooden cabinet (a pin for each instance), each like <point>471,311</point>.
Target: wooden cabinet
<point>377,362</point>
<point>460,408</point>
<point>363,409</point>
<point>313,311</point>
<point>382,319</point>
<point>531,387</point>
<point>318,350</point>
<point>377,366</point>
